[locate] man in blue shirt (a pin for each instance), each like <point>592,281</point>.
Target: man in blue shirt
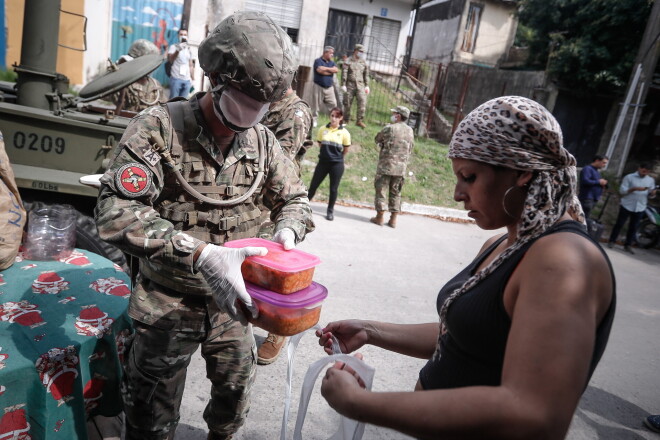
<point>323,91</point>
<point>635,189</point>
<point>592,184</point>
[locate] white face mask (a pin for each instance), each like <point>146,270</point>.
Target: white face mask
<point>183,38</point>
<point>393,118</point>
<point>360,55</point>
<point>238,109</point>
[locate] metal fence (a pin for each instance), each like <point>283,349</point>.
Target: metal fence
<point>391,83</point>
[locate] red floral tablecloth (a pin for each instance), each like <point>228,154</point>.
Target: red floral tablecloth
<point>63,333</point>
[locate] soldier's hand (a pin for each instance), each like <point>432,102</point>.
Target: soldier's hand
<point>286,237</point>
<point>221,268</point>
<point>366,90</point>
<point>344,89</point>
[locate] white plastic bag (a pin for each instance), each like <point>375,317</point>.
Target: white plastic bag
<point>348,429</point>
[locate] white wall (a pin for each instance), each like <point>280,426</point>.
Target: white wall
<point>495,35</point>
<point>396,10</point>
<point>99,32</point>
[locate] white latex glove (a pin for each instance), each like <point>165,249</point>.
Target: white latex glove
<point>286,237</point>
<point>221,268</point>
<point>366,90</point>
<point>344,89</point>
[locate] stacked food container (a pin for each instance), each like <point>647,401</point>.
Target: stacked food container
<point>280,284</point>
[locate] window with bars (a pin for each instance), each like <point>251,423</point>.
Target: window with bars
<point>384,40</point>
<point>472,27</point>
<point>285,13</point>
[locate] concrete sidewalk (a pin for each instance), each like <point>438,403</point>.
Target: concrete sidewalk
<point>394,275</point>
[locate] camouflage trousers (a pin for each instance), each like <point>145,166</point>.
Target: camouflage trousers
<point>353,91</point>
<point>388,184</point>
<point>157,359</point>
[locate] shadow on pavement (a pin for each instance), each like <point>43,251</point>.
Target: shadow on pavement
<point>614,409</point>
<point>188,432</point>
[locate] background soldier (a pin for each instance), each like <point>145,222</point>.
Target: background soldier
<point>176,222</point>
<point>146,91</point>
<point>396,141</point>
<point>290,119</point>
<point>355,82</point>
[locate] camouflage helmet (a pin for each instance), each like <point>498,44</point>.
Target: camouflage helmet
<point>248,51</point>
<point>142,47</point>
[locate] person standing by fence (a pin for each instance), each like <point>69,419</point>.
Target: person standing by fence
<point>324,92</point>
<point>355,83</point>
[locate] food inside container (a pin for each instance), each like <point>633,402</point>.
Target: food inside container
<point>280,271</point>
<point>287,315</point>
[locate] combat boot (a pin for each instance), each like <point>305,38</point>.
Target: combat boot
<point>361,124</point>
<point>392,222</point>
<point>270,349</point>
<point>379,220</point>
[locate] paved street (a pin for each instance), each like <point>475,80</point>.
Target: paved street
<point>394,275</point>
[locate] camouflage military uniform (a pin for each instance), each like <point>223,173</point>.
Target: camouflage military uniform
<point>355,77</point>
<point>290,120</point>
<point>139,96</point>
<point>396,143</point>
<point>144,211</point>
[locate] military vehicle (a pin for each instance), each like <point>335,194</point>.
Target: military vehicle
<point>52,137</point>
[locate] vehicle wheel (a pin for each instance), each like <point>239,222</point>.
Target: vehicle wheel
<point>87,237</point>
<point>648,234</point>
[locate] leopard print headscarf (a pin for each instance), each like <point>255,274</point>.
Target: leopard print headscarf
<point>518,133</point>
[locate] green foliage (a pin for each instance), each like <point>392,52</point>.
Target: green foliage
<point>587,45</point>
<point>432,182</point>
<point>8,75</point>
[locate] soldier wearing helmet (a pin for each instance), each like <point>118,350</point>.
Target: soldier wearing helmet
<point>144,92</point>
<point>200,166</point>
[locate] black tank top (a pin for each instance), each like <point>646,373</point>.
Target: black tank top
<point>473,348</point>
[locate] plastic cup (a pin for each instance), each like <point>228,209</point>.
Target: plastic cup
<point>51,232</point>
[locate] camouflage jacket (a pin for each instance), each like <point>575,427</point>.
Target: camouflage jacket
<point>355,73</point>
<point>138,97</point>
<point>396,142</point>
<point>143,210</point>
<point>290,120</point>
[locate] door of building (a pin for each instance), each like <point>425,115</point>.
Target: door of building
<point>344,31</point>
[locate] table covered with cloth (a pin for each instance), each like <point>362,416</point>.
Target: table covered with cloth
<point>64,328</point>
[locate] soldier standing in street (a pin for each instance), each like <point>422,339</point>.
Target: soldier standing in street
<point>355,83</point>
<point>290,120</point>
<point>144,92</point>
<point>183,180</point>
<point>396,141</point>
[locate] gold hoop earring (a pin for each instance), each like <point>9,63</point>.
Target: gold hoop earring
<point>506,193</point>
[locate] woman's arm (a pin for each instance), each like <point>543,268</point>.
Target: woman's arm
<point>556,297</point>
<point>416,340</point>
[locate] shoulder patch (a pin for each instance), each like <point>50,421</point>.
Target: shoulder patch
<point>133,179</point>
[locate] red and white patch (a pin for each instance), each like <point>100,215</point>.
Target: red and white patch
<point>133,179</point>
<point>111,286</point>
<point>57,369</point>
<point>14,424</point>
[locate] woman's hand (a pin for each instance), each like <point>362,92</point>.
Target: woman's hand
<point>340,384</point>
<point>351,334</point>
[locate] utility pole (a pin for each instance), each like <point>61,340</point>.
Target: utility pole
<point>638,85</point>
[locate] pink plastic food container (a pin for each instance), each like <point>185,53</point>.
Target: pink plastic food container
<point>280,271</point>
<point>287,315</point>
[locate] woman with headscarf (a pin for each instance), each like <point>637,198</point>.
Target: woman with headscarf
<point>523,326</point>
